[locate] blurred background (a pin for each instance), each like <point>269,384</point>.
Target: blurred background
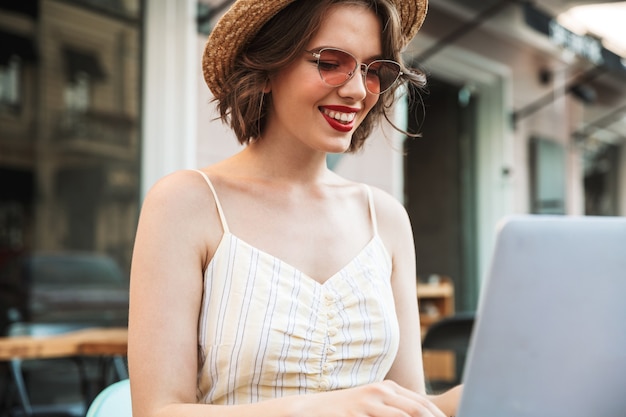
<point>525,112</point>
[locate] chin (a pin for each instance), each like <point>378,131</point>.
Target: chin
<point>339,147</point>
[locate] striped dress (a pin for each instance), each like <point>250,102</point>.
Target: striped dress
<point>268,330</point>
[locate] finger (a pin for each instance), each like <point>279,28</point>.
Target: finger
<point>408,400</point>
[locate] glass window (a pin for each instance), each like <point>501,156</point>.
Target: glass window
<point>69,159</point>
<point>10,82</point>
<point>77,94</point>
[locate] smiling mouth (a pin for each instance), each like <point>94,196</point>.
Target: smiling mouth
<point>343,118</point>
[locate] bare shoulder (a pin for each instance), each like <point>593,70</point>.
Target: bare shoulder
<point>393,221</point>
<point>182,203</point>
<point>181,194</point>
<point>390,212</point>
<point>179,189</point>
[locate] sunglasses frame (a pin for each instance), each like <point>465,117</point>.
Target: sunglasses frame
<point>317,54</point>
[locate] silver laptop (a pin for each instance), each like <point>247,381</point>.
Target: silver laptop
<point>550,334</point>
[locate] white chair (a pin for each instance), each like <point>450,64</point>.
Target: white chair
<point>113,401</point>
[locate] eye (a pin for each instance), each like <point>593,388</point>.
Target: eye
<point>328,65</point>
<point>374,70</point>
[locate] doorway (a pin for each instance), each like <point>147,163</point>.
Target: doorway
<point>440,187</point>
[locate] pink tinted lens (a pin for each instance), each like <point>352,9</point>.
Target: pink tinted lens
<point>336,66</point>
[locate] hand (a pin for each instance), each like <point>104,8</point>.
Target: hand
<point>384,399</point>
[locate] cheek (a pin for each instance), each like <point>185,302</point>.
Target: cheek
<point>370,102</point>
<point>291,92</point>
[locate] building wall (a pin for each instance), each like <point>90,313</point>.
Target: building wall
<point>113,100</point>
<point>170,89</point>
<point>72,165</point>
<point>502,63</point>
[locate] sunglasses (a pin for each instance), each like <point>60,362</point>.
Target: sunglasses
<point>337,67</point>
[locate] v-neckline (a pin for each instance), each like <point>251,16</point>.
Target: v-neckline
<point>359,254</point>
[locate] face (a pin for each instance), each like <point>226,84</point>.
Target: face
<point>308,111</point>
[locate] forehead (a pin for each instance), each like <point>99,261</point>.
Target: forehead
<point>352,27</point>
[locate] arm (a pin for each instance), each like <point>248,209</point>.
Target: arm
<point>448,402</point>
<point>408,368</point>
<point>165,291</point>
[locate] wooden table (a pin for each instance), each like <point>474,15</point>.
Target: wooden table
<point>86,342</point>
<point>108,343</point>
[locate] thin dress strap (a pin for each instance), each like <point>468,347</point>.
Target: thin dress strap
<point>370,199</point>
<point>217,201</point>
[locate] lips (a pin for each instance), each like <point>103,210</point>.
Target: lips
<point>340,118</point>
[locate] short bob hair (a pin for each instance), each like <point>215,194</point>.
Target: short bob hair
<point>243,103</point>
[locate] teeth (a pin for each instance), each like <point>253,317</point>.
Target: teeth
<point>341,117</point>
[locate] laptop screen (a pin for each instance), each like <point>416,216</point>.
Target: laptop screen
<point>550,334</point>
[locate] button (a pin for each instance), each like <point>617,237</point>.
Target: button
<point>324,384</point>
<point>327,368</point>
<point>332,331</point>
<point>330,298</point>
<point>331,314</point>
<point>331,349</point>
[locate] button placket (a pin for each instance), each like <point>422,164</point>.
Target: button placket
<point>330,301</point>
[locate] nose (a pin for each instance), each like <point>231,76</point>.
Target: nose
<point>355,86</point>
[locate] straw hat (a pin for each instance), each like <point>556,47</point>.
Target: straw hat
<point>245,18</point>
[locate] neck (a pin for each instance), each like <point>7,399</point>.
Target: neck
<point>288,163</point>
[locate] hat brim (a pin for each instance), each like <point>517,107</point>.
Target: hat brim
<point>245,18</point>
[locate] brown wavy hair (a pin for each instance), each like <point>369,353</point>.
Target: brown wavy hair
<point>243,104</point>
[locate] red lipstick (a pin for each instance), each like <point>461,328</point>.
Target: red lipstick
<point>340,126</point>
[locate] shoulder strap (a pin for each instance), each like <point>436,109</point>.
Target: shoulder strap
<point>217,201</point>
<point>370,199</point>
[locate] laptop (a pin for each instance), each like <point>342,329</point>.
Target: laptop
<point>550,333</point>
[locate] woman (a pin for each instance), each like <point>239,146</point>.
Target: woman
<point>266,284</point>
